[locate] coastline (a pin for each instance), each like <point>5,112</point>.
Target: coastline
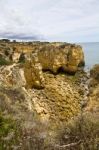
<point>42,116</point>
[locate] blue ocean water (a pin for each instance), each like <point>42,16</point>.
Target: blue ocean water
<point>91,52</point>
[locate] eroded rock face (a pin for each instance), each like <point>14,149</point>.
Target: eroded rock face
<point>52,57</point>
<point>33,72</point>
<point>66,56</point>
<point>75,58</point>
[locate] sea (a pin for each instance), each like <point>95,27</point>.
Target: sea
<point>91,53</point>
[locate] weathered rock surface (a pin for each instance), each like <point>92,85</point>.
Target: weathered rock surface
<point>62,56</point>
<point>40,56</point>
<point>33,72</point>
<point>54,58</point>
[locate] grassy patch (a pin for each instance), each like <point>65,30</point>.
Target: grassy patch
<point>84,131</point>
<point>4,62</point>
<point>9,135</point>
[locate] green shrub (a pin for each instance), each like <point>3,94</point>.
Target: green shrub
<point>4,62</point>
<point>5,126</point>
<point>9,133</point>
<point>22,58</point>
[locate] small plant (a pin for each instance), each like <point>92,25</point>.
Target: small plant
<point>22,58</point>
<point>9,133</point>
<point>81,134</point>
<point>5,126</point>
<point>3,61</point>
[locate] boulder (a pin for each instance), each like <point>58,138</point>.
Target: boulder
<point>75,59</point>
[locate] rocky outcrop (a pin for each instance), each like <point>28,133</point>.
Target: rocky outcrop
<point>54,58</point>
<point>94,73</point>
<point>40,56</point>
<point>62,56</point>
<point>33,72</point>
<point>93,104</point>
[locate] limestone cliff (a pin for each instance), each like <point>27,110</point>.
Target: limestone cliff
<point>45,67</point>
<point>60,57</point>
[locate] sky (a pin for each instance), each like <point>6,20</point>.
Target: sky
<point>50,20</point>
